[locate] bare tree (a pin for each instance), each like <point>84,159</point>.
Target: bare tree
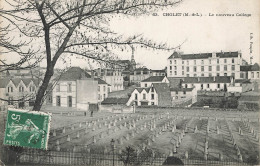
<point>79,27</point>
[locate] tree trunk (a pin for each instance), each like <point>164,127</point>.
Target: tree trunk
<point>41,92</point>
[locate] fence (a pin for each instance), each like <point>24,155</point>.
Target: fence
<point>41,157</point>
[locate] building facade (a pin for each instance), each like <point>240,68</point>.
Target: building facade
<point>204,65</point>
<point>139,75</point>
<point>153,79</point>
<point>23,89</point>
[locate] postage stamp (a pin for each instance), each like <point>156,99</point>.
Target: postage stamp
<point>27,128</point>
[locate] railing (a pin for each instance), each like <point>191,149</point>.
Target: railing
<point>40,157</point>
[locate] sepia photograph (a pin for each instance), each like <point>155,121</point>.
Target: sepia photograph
<point>129,82</point>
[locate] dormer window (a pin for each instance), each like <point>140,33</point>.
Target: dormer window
<point>32,88</point>
<point>21,89</point>
<point>10,89</point>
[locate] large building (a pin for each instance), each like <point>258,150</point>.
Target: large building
<point>76,88</point>
<point>250,72</point>
<point>204,64</point>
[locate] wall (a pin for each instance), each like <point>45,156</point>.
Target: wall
<point>64,93</point>
<point>86,93</point>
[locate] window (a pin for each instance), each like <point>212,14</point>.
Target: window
<point>210,68</point>
<point>136,96</point>
<point>233,74</point>
<point>210,75</point>
<point>217,74</point>
<point>170,67</point>
<point>104,96</point>
<point>195,75</point>
<point>202,75</point>
<point>217,61</point>
<point>225,60</point>
<point>152,89</point>
<point>225,67</point>
<point>218,68</point>
<point>252,74</point>
<point>99,98</point>
<point>187,62</point>
<point>202,62</point>
<point>152,103</point>
<point>184,92</point>
<point>175,67</point>
<point>152,96</point>
<point>176,92</point>
<point>188,75</point>
<point>174,61</point>
<point>69,87</point>
<point>175,72</point>
<point>233,67</point>
<point>21,89</point>
<point>218,85</point>
<point>195,69</point>
<point>241,75</point>
<point>58,103</point>
<point>182,67</point>
<point>210,61</point>
<point>207,85</point>
<point>257,74</point>
<point>58,87</point>
<point>233,60</point>
<point>145,85</point>
<point>32,88</point>
<point>144,96</point>
<point>10,89</point>
<point>194,62</point>
<point>202,68</point>
<point>170,61</point>
<point>170,72</point>
<point>187,69</point>
<point>182,73</point>
<point>201,86</point>
<point>182,62</point>
<point>98,88</point>
<point>104,88</point>
<point>225,74</point>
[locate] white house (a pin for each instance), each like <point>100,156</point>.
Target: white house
<point>157,94</point>
<point>181,95</point>
<point>153,79</point>
<point>76,88</point>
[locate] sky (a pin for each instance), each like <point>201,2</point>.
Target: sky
<point>200,34</point>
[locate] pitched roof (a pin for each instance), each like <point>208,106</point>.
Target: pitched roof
<point>218,79</point>
<point>100,81</point>
<point>113,100</point>
<point>204,55</point>
<point>4,82</point>
<point>174,82</point>
<point>154,79</point>
<point>164,94</point>
<point>141,89</point>
<point>181,89</point>
<point>243,81</point>
<point>73,74</point>
<point>254,67</point>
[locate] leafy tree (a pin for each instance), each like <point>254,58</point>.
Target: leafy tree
<point>78,27</point>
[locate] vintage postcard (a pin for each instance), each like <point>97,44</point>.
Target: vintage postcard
<point>129,82</point>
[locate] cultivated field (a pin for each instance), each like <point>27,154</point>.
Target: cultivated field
<point>189,133</point>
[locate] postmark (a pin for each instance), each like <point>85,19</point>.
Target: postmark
<point>27,128</point>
